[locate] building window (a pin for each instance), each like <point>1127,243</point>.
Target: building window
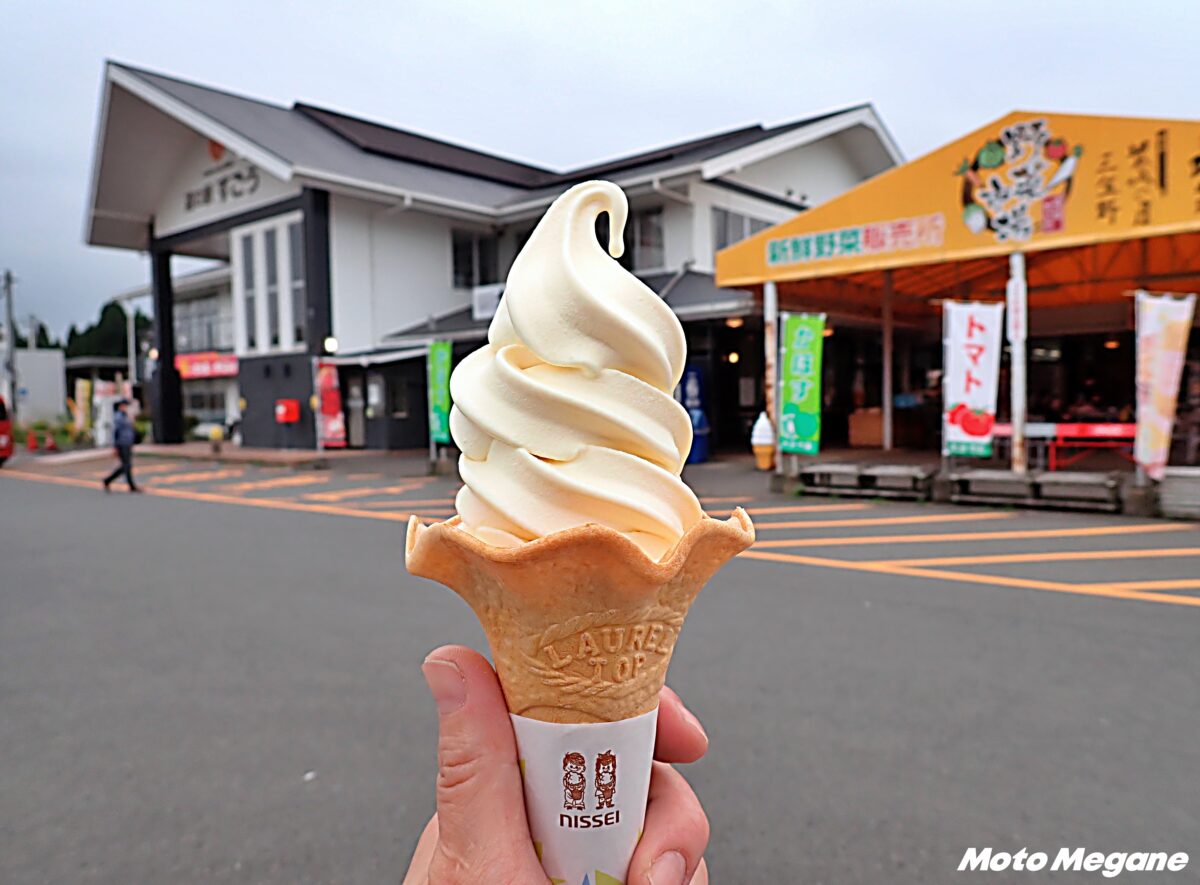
<point>296,260</point>
<point>248,288</point>
<point>199,326</point>
<point>732,227</point>
<point>476,259</point>
<point>272,260</point>
<point>644,249</point>
<point>397,391</point>
<point>626,259</point>
<point>648,251</point>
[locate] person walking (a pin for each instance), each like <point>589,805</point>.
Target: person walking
<point>124,436</point>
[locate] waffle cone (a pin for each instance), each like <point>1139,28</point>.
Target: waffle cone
<point>581,623</point>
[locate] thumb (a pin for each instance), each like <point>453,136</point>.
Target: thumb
<point>480,804</point>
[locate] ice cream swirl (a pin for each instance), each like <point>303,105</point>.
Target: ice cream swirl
<point>566,417</point>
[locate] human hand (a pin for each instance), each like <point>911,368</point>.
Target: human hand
<point>479,833</point>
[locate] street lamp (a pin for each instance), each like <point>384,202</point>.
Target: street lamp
<point>331,344</point>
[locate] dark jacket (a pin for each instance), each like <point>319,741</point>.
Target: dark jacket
<point>123,433</point>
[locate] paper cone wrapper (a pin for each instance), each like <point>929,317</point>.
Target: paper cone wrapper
<point>582,625</point>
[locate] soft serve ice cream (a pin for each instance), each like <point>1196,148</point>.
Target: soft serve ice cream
<point>566,417</point>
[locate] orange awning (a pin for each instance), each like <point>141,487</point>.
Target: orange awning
<point>1099,205</point>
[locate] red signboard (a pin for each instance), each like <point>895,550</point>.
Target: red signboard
<point>1097,431</point>
<point>287,411</point>
<point>331,423</point>
<point>208,364</point>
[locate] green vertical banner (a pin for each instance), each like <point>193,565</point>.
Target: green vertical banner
<point>802,341</point>
<point>437,370</point>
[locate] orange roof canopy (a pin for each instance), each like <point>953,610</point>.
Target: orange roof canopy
<point>1099,205</point>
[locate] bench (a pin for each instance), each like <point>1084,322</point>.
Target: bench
<point>868,480</point>
<point>1066,491</point>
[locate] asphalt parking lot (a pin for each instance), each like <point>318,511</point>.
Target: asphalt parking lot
<point>218,681</point>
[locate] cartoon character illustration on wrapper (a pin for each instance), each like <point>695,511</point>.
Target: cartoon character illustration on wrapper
<point>574,780</point>
<point>606,779</point>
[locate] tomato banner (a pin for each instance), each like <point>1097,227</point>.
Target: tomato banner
<point>972,359</point>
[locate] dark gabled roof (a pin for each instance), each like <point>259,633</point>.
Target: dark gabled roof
<point>400,144</point>
<point>319,140</point>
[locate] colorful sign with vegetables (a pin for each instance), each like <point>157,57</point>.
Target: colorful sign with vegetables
<point>1018,183</point>
<point>972,343</point>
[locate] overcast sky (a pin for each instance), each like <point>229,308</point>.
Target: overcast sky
<point>558,83</point>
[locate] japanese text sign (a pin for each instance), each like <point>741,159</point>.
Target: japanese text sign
<point>802,341</point>
<point>972,344</point>
<point>438,375</point>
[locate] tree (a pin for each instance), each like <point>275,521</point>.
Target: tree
<point>44,341</point>
<point>106,337</point>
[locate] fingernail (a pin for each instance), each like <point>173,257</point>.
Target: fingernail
<point>668,869</point>
<point>694,722</point>
<point>446,684</point>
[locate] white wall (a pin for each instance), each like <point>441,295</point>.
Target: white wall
<point>350,273</point>
<point>706,197</point>
<point>816,172</point>
<point>206,187</point>
<point>389,270</point>
<point>42,379</point>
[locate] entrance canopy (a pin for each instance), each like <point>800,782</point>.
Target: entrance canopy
<point>1099,205</point>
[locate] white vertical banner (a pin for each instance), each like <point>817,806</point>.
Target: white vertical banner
<point>1163,325</point>
<point>1016,312</point>
<point>969,383</point>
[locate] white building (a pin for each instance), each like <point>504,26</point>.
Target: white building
<point>41,393</point>
<point>357,243</point>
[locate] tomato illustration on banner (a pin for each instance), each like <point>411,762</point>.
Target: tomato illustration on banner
<point>972,345</point>
<point>803,340</point>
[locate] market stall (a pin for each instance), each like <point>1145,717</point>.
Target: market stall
<point>1060,217</point>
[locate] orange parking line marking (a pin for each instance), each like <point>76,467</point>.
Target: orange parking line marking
<point>278,482</point>
<point>435,503</point>
<point>734,500</point>
<point>139,469</point>
<point>1093,531</point>
<point>347,494</point>
<point>882,520</point>
<point>265,503</point>
<point>195,476</point>
<point>1105,590</point>
<point>1056,556</point>
<point>1165,584</point>
<point>825,508</point>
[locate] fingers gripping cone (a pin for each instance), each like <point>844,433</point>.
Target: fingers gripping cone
<point>582,626</point>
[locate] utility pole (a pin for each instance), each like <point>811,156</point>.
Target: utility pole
<point>10,337</point>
